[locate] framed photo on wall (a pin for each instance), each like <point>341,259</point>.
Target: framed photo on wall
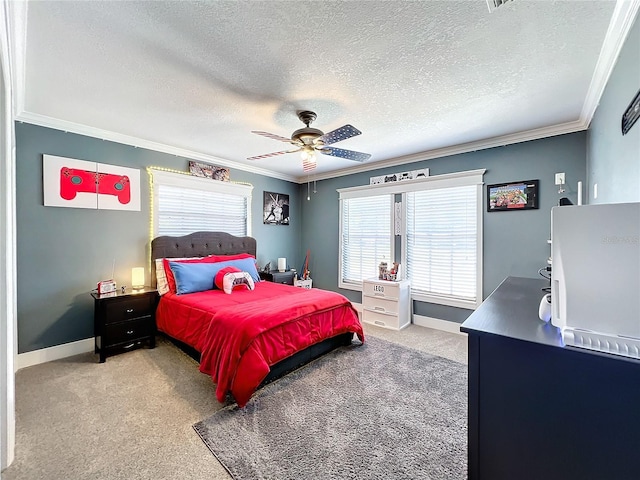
<point>505,197</point>
<point>275,210</point>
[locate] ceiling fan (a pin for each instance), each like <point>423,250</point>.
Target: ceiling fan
<point>311,140</point>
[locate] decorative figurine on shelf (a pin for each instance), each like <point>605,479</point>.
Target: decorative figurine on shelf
<point>123,288</point>
<point>394,273</point>
<point>267,268</point>
<point>382,270</point>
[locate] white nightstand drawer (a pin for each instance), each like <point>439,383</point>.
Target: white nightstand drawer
<point>381,289</point>
<point>384,320</point>
<point>380,305</point>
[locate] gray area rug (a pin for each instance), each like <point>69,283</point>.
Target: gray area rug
<point>375,411</point>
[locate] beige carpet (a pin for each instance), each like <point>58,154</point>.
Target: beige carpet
<point>132,416</point>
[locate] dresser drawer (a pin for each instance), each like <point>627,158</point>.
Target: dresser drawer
<point>381,290</point>
<point>381,319</point>
<point>127,331</point>
<point>380,304</point>
<point>129,307</point>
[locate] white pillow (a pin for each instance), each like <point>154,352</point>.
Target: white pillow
<point>161,277</point>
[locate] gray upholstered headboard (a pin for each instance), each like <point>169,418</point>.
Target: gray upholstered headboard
<point>199,244</point>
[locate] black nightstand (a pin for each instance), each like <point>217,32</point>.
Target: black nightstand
<point>122,321</point>
<point>278,277</point>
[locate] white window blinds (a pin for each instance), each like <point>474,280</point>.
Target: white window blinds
<point>366,238</point>
<point>442,243</point>
<point>184,204</point>
<point>183,210</point>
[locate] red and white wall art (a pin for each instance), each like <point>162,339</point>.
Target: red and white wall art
<point>75,183</point>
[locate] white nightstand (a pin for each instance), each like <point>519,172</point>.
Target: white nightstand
<point>386,304</point>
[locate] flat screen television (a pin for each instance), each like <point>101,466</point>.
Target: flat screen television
<point>504,197</point>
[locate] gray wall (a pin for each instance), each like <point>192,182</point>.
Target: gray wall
<point>63,252</point>
<point>515,243</point>
<point>613,160</point>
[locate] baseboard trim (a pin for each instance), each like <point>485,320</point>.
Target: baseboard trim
<point>437,324</point>
<point>57,352</point>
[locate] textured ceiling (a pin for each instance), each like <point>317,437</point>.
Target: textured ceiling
<point>412,76</point>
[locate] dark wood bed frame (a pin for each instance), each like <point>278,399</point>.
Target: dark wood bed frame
<point>200,244</point>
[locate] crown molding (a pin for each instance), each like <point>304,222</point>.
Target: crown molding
<point>44,121</point>
<point>538,133</point>
<point>624,14</point>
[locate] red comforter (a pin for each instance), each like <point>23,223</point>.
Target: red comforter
<point>239,336</point>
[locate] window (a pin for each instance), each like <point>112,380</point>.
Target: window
<point>441,236</point>
<point>366,238</point>
<point>184,204</point>
<point>441,253</point>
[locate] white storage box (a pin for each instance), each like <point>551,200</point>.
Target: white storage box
<point>303,283</point>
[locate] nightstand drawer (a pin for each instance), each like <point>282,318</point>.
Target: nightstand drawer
<point>129,307</point>
<point>128,331</point>
<point>381,289</point>
<point>385,320</point>
<point>380,305</point>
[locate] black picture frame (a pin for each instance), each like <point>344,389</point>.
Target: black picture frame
<point>513,196</point>
<point>275,208</point>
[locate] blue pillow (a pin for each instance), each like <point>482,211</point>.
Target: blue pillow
<point>193,277</point>
<point>245,264</point>
<point>198,277</point>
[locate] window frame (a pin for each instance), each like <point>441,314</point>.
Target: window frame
<point>469,178</point>
<point>464,178</point>
<point>159,177</point>
<point>346,195</point>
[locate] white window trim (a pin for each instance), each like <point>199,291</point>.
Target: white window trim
<point>358,286</point>
<point>437,181</point>
<point>184,180</point>
<point>460,179</point>
<point>456,179</point>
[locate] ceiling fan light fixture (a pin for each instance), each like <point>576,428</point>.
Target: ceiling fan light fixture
<point>308,154</point>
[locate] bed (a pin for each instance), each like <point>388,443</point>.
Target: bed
<point>248,337</point>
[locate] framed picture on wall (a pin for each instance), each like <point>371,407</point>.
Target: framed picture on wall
<point>275,209</point>
<point>506,197</point>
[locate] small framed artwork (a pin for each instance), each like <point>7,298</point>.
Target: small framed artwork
<point>275,209</point>
<point>208,171</point>
<point>505,197</point>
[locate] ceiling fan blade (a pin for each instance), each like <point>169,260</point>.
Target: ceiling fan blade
<point>348,154</point>
<point>339,134</point>
<point>273,136</point>
<point>274,154</point>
